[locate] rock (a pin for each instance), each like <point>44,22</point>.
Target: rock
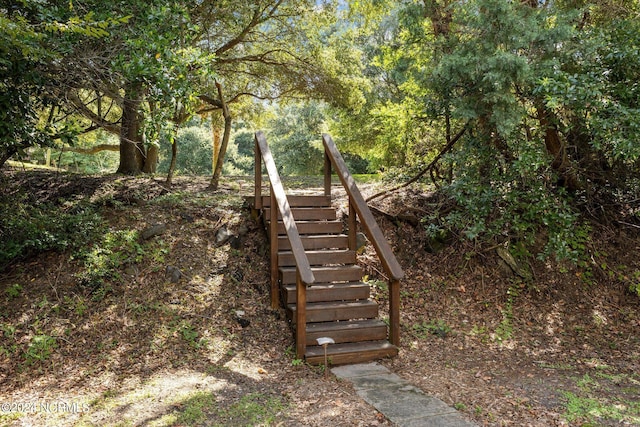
<point>154,230</point>
<point>223,235</point>
<point>131,270</point>
<point>235,242</point>
<point>508,259</point>
<point>173,274</point>
<point>361,241</point>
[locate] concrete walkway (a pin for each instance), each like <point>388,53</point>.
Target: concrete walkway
<point>401,402</point>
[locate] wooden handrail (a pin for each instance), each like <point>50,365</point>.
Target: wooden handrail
<point>301,260</point>
<point>368,222</point>
<point>358,206</point>
<point>304,275</point>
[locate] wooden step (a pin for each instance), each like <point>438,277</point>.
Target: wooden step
<point>324,292</point>
<point>335,273</point>
<point>313,227</point>
<point>305,214</point>
<point>339,241</point>
<point>326,257</point>
<point>347,331</point>
<point>331,311</point>
<point>301,201</point>
<point>341,354</point>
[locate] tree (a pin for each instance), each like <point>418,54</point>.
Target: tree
<point>34,38</point>
<point>548,108</point>
<point>295,139</point>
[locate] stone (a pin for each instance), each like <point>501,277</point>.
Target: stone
<point>154,230</point>
<point>173,274</point>
<point>223,235</point>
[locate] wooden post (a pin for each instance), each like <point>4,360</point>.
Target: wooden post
<point>352,225</point>
<point>257,177</point>
<point>273,237</point>
<point>394,312</point>
<point>327,174</point>
<point>301,316</point>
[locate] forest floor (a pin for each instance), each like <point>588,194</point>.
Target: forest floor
<point>177,329</point>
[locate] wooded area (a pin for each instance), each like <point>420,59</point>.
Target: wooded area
<point>543,96</point>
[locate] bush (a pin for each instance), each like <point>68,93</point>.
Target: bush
<point>27,229</point>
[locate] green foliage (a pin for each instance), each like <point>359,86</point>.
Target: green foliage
<point>434,327</point>
<point>196,408</point>
<point>39,349</point>
<point>295,139</point>
<point>34,38</point>
<point>516,76</point>
<point>27,229</point>
<point>255,409</point>
<point>13,291</point>
<point>195,150</point>
<point>189,334</point>
<point>104,260</point>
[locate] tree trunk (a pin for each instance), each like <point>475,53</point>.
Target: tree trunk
<point>132,151</point>
<point>215,180</point>
<point>217,143</point>
<point>151,161</point>
<point>5,154</point>
<point>174,156</point>
<point>557,149</point>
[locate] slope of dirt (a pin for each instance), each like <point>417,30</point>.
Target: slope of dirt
<point>179,331</point>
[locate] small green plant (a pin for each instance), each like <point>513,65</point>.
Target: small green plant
<point>105,259</point>
<point>504,331</point>
<point>77,304</point>
<point>189,334</point>
<point>297,362</point>
<point>13,291</point>
<point>255,409</point>
<point>434,327</point>
<point>460,406</point>
<point>40,348</point>
<point>196,408</point>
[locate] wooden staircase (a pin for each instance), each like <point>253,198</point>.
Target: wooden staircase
<point>314,271</point>
<point>338,304</point>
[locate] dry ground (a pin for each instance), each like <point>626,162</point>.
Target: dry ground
<point>561,348</point>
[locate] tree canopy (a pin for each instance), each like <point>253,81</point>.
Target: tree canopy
<point>522,113</point>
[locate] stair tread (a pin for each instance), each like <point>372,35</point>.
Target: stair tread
<point>329,327</point>
<point>317,268</point>
<point>312,306</point>
<point>308,213</point>
<point>351,352</point>
<point>334,273</point>
<point>330,311</point>
<point>319,257</point>
<point>323,292</point>
<point>329,241</point>
<point>302,200</point>
<point>313,227</point>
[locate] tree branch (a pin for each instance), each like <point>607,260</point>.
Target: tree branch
<point>92,150</point>
<point>89,114</point>
<point>442,152</point>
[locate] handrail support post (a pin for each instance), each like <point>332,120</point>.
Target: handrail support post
<point>394,312</point>
<point>301,316</point>
<point>327,174</point>
<point>273,238</point>
<point>257,204</point>
<point>352,225</point>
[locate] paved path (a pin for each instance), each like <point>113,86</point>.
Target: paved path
<point>401,402</point>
